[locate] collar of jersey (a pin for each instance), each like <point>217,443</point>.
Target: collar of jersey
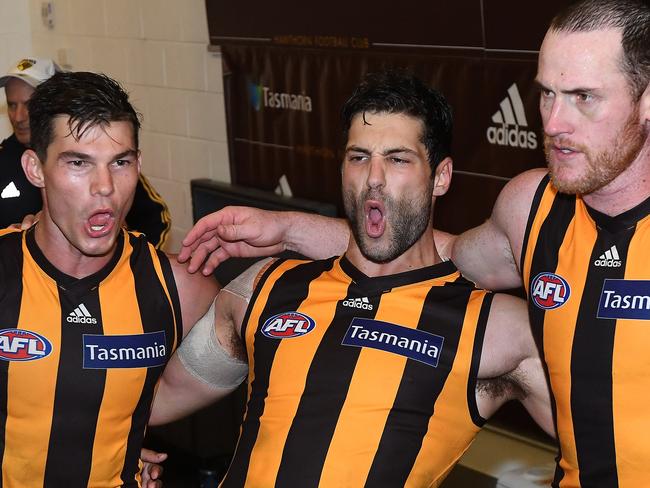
<point>388,282</point>
<point>65,280</point>
<point>622,221</point>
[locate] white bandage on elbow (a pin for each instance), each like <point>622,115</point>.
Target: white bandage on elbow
<point>204,358</point>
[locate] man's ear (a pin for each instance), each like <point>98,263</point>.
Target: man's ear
<point>644,107</point>
<point>139,160</point>
<point>442,177</point>
<point>33,168</point>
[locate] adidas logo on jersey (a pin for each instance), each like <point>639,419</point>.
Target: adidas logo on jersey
<point>609,259</point>
<point>362,303</point>
<point>81,315</point>
<point>511,123</point>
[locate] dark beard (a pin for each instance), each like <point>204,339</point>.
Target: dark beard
<point>408,221</point>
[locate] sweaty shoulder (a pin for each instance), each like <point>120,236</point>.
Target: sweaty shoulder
<point>512,207</point>
<point>195,292</point>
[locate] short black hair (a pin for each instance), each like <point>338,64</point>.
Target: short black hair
<point>400,92</point>
<point>632,17</point>
<point>89,99</point>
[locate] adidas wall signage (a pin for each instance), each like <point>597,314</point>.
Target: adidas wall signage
<point>609,259</point>
<point>362,303</point>
<point>81,315</point>
<point>510,123</point>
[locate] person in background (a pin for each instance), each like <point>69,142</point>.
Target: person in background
<point>19,198</point>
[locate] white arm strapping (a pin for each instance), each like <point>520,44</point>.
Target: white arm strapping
<point>204,358</point>
<point>244,284</point>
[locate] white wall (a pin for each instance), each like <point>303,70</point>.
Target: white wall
<point>158,50</point>
<point>15,43</point>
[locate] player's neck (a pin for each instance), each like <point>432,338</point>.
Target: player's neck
<point>420,255</point>
<point>627,190</point>
<point>63,255</point>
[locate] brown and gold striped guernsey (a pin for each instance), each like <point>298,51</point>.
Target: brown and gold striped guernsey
<point>79,361</point>
<point>358,381</point>
<point>588,281</point>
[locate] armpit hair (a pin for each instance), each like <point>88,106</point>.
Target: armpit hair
<point>509,386</point>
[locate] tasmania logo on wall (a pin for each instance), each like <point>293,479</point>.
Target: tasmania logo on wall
<point>288,324</point>
<point>510,121</point>
<point>549,291</point>
<point>262,96</point>
<point>23,345</point>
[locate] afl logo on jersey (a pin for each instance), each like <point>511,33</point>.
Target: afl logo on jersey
<point>549,291</point>
<point>23,345</point>
<point>288,324</point>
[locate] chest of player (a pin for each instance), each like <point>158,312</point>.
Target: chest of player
<point>327,336</point>
<point>75,328</point>
<point>588,284</point>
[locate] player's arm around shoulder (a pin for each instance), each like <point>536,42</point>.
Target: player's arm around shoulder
<point>489,254</point>
<point>510,366</point>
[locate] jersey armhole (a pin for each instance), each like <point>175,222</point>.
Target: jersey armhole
<point>531,217</point>
<point>479,336</point>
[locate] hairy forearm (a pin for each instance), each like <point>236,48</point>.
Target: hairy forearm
<point>316,236</point>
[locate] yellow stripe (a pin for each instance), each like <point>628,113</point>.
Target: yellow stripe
<point>369,400</point>
<point>559,328</point>
<point>161,278</point>
<point>120,315</point>
<point>544,208</point>
<point>631,381</point>
<point>292,359</point>
<point>451,430</point>
<point>32,384</point>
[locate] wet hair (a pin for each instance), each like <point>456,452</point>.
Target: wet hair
<point>89,99</point>
<point>632,17</point>
<point>399,92</point>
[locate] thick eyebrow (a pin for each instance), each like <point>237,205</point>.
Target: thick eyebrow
<point>88,157</point>
<point>573,91</point>
<point>359,149</point>
<point>386,152</point>
<point>395,150</point>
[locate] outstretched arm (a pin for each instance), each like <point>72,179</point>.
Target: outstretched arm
<point>211,361</point>
<point>489,254</point>
<point>510,367</point>
<point>208,366</point>
<point>249,231</point>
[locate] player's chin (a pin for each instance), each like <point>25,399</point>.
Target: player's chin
<point>99,247</point>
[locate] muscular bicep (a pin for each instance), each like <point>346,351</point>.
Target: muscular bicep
<point>510,366</point>
<point>489,254</point>
<point>508,337</point>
